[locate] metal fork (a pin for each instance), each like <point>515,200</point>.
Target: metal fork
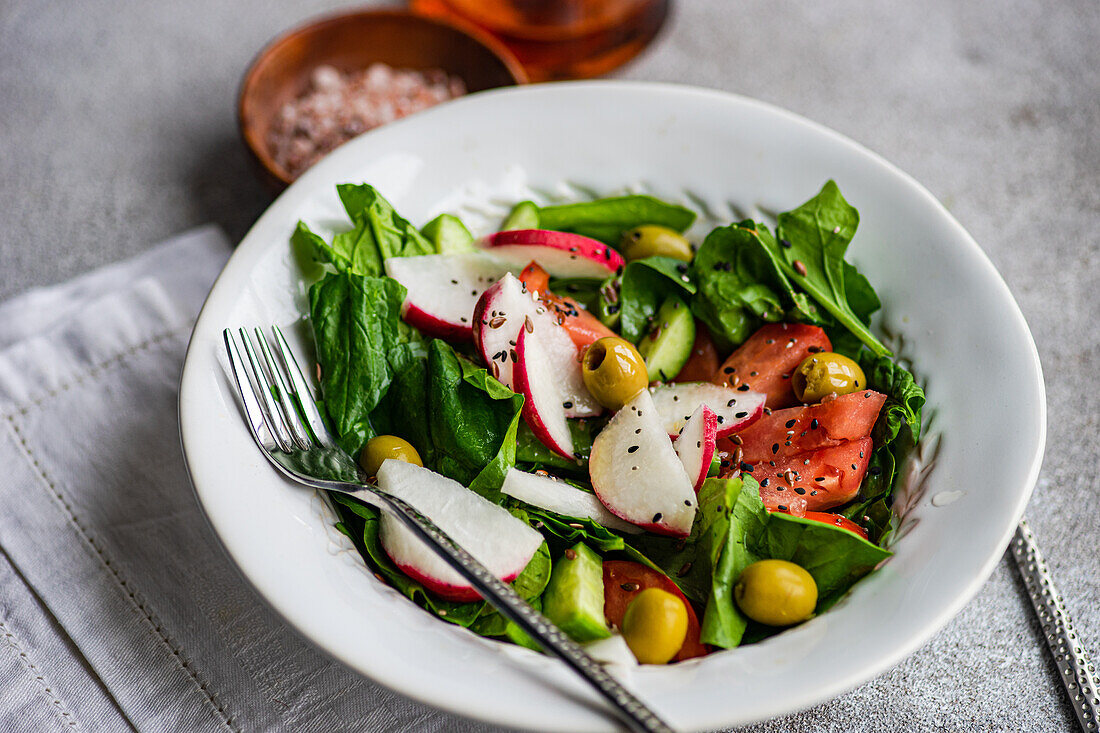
<point>287,426</point>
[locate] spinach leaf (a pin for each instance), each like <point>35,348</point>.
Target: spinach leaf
<point>816,236</point>
<point>835,557</point>
<point>461,421</point>
<point>571,530</point>
<point>529,584</point>
<point>356,324</point>
<point>361,523</point>
<point>606,219</point>
<point>895,434</point>
<point>646,284</point>
<point>391,234</point>
<point>740,285</point>
<point>531,450</point>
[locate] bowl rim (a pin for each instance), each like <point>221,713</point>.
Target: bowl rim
<point>828,689</point>
<point>258,150</point>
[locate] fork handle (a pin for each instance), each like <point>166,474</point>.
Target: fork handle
<point>1077,672</point>
<point>632,711</point>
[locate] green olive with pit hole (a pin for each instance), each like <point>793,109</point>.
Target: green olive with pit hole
<point>613,371</point>
<point>655,626</point>
<point>776,593</point>
<point>651,240</point>
<point>825,373</point>
<point>381,447</point>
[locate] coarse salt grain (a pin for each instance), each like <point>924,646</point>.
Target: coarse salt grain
<point>338,106</point>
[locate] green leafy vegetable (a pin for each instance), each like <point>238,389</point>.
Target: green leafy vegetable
<point>647,283</point>
<point>391,234</point>
<point>571,530</point>
<point>895,434</point>
<point>741,286</point>
<point>529,584</point>
<point>816,236</point>
<point>606,219</point>
<point>356,324</point>
<point>531,450</point>
<point>461,421</point>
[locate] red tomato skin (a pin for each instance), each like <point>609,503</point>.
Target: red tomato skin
<point>767,358</point>
<point>841,468</point>
<point>535,278</point>
<point>617,573</point>
<point>830,423</point>
<point>836,520</point>
<point>703,362</point>
<point>583,327</point>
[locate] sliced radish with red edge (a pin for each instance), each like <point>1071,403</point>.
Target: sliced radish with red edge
<point>696,444</point>
<point>734,409</point>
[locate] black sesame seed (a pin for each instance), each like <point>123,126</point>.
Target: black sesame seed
<point>729,370</point>
<point>567,404</point>
<point>775,448</point>
<point>632,449</point>
<point>743,388</point>
<point>814,424</point>
<point>790,423</point>
<point>740,414</point>
<point>782,508</point>
<point>770,341</point>
<point>799,490</point>
<point>657,517</point>
<point>637,431</point>
<point>764,483</point>
<point>732,402</point>
<point>746,467</point>
<point>819,479</point>
<point>785,243</point>
<point>721,419</point>
<point>753,374</point>
<point>813,493</point>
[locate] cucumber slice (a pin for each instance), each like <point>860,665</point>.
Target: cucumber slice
<point>524,215</point>
<point>715,465</point>
<point>574,597</point>
<point>667,346</point>
<point>449,235</point>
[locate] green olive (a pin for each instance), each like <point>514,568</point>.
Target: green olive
<point>381,447</point>
<point>825,373</point>
<point>613,371</point>
<point>655,625</point>
<point>776,593</point>
<point>651,239</point>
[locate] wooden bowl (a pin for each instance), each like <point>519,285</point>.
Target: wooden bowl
<point>353,41</point>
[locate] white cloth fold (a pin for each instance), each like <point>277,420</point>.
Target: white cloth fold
<point>117,608</point>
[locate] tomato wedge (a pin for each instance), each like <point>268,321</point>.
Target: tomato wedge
<point>765,361</point>
<point>583,327</point>
<point>836,520</point>
<point>814,480</point>
<point>800,429</point>
<point>703,362</point>
<point>624,579</point>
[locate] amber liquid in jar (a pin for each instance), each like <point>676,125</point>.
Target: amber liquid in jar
<point>561,39</point>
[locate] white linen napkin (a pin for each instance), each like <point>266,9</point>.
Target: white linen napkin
<point>117,607</point>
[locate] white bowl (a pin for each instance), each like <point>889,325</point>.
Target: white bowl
<point>727,156</point>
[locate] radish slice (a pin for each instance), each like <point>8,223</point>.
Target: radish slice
<point>546,492</point>
<point>559,253</point>
<point>735,409</point>
<point>501,313</point>
<point>637,474</point>
<point>500,541</point>
<point>696,443</point>
<point>442,290</point>
<point>539,383</point>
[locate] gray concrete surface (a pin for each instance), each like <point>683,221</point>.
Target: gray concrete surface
<point>117,129</point>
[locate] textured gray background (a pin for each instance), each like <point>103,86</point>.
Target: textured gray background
<point>117,129</point>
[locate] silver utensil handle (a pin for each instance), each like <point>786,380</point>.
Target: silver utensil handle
<point>1077,672</point>
<point>632,711</point>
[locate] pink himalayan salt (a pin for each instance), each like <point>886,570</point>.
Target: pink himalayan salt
<point>337,106</point>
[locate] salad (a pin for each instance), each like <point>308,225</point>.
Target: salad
<point>668,447</point>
